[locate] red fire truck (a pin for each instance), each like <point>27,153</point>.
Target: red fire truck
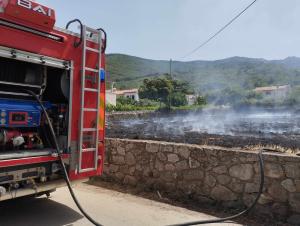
<point>66,71</point>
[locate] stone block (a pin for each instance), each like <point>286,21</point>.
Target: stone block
<point>194,174</point>
<point>173,158</point>
<point>124,169</point>
<point>223,179</point>
<point>130,159</point>
<point>292,170</point>
<point>170,167</point>
<point>210,180</point>
<point>265,199</point>
<point>213,161</point>
<point>132,170</point>
<point>183,151</point>
<point>130,146</point>
<point>289,185</point>
<point>273,170</point>
<point>161,156</point>
<point>206,190</point>
<point>130,180</point>
<point>236,186</point>
<point>297,184</point>
<point>193,163</point>
<point>248,199</point>
<point>280,211</point>
<point>220,170</point>
<point>252,187</point>
<point>159,165</point>
<point>222,193</point>
<point>277,192</point>
<point>243,172</point>
<point>198,154</point>
<point>139,167</point>
<point>152,147</point>
<point>113,168</point>
<point>294,201</point>
<point>121,150</point>
<point>118,160</point>
<point>168,176</point>
<point>167,148</point>
<point>120,176</point>
<point>248,157</point>
<point>182,165</point>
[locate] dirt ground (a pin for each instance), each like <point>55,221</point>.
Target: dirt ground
<point>209,210</point>
<point>111,205</point>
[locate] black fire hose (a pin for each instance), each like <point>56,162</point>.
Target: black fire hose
<point>65,173</point>
<point>66,177</point>
<point>76,44</point>
<point>246,211</point>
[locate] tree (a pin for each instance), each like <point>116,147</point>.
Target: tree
<point>158,89</point>
<point>200,100</point>
<point>166,89</point>
<point>178,99</point>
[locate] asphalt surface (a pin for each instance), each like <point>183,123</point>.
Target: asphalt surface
<point>110,208</point>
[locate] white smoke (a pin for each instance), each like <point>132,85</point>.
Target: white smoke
<point>225,122</point>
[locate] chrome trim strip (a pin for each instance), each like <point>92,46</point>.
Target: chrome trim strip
<point>33,58</point>
<point>70,104</point>
<point>33,31</point>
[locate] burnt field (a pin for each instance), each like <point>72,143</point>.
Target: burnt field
<point>274,129</point>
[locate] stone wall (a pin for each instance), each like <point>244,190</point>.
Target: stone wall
<point>208,174</point>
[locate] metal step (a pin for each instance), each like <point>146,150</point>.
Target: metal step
<point>90,109</point>
<point>87,170</point>
<point>91,70</point>
<point>91,90</point>
<point>89,149</point>
<point>89,130</point>
<point>92,50</point>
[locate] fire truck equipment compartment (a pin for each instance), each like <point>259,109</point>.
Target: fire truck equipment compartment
<point>16,113</point>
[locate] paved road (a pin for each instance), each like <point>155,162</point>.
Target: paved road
<point>111,208</point>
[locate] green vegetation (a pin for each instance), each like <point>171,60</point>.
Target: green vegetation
<point>167,90</point>
<point>127,104</point>
<point>163,93</point>
<point>223,82</point>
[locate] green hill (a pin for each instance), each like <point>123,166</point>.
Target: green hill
<point>206,76</point>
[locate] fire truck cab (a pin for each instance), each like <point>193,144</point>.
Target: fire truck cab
<point>66,71</point>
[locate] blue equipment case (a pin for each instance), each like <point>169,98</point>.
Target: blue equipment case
<point>20,113</point>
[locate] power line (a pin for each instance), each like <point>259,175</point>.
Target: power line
<point>220,31</point>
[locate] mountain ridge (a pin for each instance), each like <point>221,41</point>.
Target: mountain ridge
<point>247,73</point>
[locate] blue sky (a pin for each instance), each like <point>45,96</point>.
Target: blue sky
<point>163,29</point>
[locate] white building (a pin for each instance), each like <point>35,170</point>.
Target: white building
<point>110,97</point>
<point>191,99</point>
<point>274,92</point>
<point>113,94</point>
<point>130,93</point>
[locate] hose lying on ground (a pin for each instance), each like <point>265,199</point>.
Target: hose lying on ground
<point>66,177</point>
<point>246,211</point>
<point>65,173</point>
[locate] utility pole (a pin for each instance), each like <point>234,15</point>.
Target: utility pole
<point>170,103</point>
<point>171,67</point>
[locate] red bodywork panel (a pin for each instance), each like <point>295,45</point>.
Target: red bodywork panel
<point>64,50</point>
<point>29,13</point>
